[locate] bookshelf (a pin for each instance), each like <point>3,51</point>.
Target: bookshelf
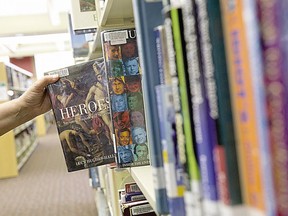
<point>17,145</point>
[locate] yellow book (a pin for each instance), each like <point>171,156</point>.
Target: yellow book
<point>243,102</point>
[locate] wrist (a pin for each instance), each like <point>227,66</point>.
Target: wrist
<point>23,113</point>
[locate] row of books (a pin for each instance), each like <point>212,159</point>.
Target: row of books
<point>133,202</point>
<point>215,99</point>
<point>122,193</point>
<point>17,79</point>
<point>209,86</point>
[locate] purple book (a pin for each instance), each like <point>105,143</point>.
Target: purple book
<point>274,29</point>
<point>204,124</point>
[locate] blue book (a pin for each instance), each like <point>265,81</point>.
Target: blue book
<point>147,16</point>
<point>173,169</point>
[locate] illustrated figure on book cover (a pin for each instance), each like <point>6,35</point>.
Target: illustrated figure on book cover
<point>121,57</point>
<point>81,107</point>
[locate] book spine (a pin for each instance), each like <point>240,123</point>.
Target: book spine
<point>172,167</point>
<point>135,196</point>
<point>209,119</point>
<point>272,32</point>
<point>243,100</point>
<point>230,191</point>
<point>132,187</point>
<point>147,16</point>
<point>257,76</point>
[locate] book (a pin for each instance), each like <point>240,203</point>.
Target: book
<point>137,208</point>
<point>121,58</point>
<point>174,175</point>
<point>147,16</point>
<point>132,187</point>
<point>80,105</point>
<point>273,26</point>
<point>257,77</point>
<point>133,197</point>
<point>230,188</point>
<point>242,44</point>
<point>94,180</point>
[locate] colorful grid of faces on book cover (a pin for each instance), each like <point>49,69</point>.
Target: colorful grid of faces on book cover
<point>124,75</point>
<point>81,108</point>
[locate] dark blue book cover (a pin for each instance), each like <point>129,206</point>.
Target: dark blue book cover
<point>147,16</point>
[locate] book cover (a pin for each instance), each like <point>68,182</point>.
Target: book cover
<point>121,57</point>
<point>80,104</point>
<point>246,84</point>
<point>273,25</point>
<point>147,16</point>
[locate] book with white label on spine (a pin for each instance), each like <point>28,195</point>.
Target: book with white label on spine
<point>120,52</point>
<point>80,105</point>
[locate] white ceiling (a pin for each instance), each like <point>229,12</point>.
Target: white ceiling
<point>33,26</point>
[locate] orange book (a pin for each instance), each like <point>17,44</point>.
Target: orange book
<point>243,102</point>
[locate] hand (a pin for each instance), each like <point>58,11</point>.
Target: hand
<point>36,98</point>
<point>32,103</point>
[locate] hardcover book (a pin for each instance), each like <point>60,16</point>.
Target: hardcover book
<point>120,53</point>
<point>80,105</point>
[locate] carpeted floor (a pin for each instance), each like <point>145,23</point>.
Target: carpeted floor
<point>45,188</point>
